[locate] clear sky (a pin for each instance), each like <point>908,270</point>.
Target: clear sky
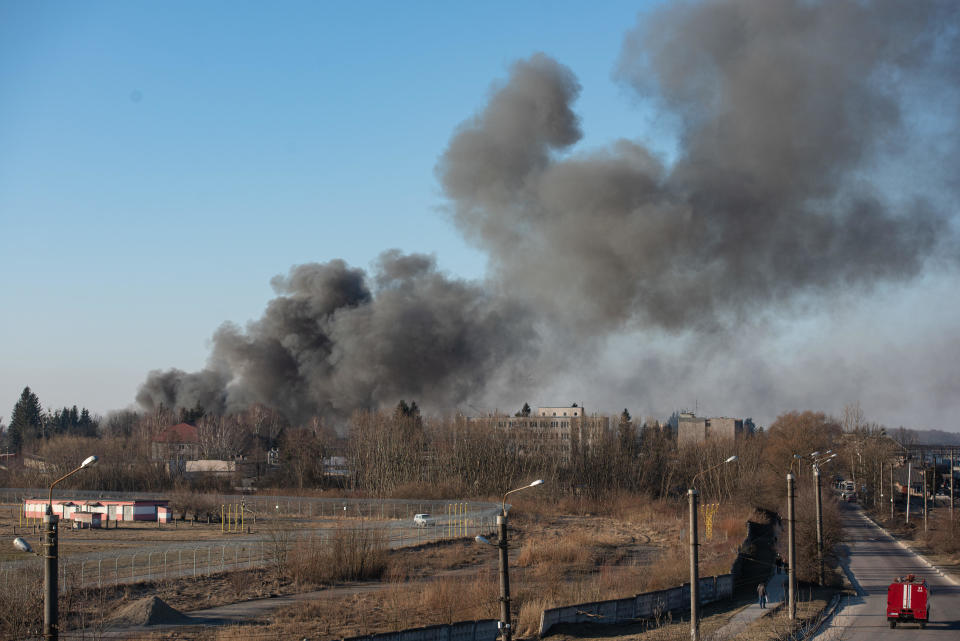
<point>160,162</point>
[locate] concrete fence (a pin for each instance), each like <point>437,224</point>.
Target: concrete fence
<point>486,630</point>
<point>642,606</point>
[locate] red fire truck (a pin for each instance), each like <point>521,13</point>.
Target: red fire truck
<point>908,600</point>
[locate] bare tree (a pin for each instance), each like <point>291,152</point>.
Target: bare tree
<point>219,436</point>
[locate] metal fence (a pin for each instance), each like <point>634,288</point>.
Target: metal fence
<point>285,506</point>
<point>259,546</point>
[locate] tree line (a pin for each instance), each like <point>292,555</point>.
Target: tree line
<point>402,452</point>
<point>30,423</point>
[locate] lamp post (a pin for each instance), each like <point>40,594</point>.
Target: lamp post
<point>909,488</point>
<point>816,475</point>
<point>791,551</point>
<point>923,478</point>
<point>694,553</point>
<point>51,624</point>
<point>505,626</point>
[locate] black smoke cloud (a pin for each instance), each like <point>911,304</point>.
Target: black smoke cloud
<point>787,112</point>
<point>785,108</point>
<point>335,340</point>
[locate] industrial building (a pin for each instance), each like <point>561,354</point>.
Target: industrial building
<point>697,429</point>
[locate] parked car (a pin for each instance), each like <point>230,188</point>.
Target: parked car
<point>423,520</point>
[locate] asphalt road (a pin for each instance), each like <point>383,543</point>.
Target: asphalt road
<point>875,559</point>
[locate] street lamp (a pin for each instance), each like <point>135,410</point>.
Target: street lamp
<point>506,631</point>
<point>816,475</point>
<point>694,555</point>
<point>51,625</point>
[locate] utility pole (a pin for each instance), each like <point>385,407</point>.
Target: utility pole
<point>51,613</point>
<point>694,555</point>
<point>909,488</point>
<point>878,501</point>
<point>923,476</point>
<point>506,632</point>
<point>891,490</point>
<point>816,474</point>
<point>694,569</point>
<point>951,488</point>
<point>506,629</point>
<point>792,544</point>
<point>51,616</point>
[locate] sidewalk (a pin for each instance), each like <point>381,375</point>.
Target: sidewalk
<point>776,594</point>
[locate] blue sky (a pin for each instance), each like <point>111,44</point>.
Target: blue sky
<point>162,161</point>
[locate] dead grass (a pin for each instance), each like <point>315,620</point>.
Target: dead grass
<point>554,551</point>
<point>351,554</point>
<point>556,560</point>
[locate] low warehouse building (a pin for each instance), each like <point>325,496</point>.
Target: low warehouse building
<point>108,509</point>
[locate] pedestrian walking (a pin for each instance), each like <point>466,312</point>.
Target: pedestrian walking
<point>762,594</point>
<point>779,563</point>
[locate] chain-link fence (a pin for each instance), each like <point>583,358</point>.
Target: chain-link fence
<point>256,546</point>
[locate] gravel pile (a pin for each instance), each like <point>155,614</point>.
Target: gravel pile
<point>148,611</point>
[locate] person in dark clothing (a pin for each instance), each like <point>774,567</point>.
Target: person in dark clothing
<point>779,563</point>
<point>762,594</point>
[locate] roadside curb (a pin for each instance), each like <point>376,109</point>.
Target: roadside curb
<point>909,548</point>
<point>825,615</point>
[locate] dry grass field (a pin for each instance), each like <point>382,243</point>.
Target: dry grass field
<point>561,554</point>
<point>557,558</point>
<point>141,534</point>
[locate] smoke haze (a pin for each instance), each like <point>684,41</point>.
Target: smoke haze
<point>787,111</point>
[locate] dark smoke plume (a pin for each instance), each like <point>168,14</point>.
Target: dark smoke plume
<point>788,111</point>
<point>329,344</point>
<point>786,106</point>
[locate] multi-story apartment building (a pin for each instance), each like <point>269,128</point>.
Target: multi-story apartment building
<point>553,431</point>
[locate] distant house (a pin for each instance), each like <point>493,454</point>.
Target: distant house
<point>176,445</point>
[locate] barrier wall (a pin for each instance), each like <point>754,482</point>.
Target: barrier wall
<point>485,630</point>
<point>642,606</point>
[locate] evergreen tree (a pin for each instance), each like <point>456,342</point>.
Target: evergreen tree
<point>26,422</point>
<point>525,410</point>
<point>86,426</point>
<point>191,416</point>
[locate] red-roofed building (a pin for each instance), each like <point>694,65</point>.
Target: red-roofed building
<point>176,445</point>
